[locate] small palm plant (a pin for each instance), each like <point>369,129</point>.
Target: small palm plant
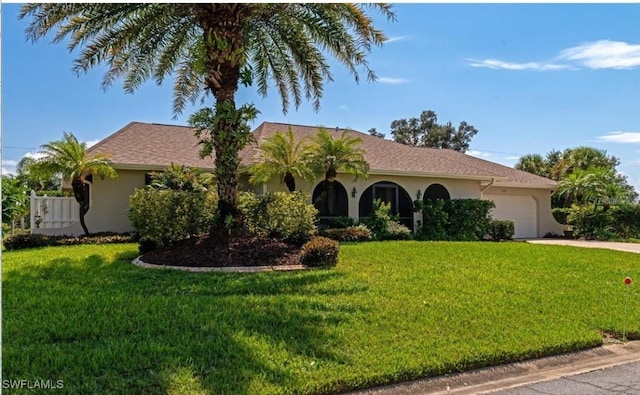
<point>69,158</point>
<point>330,155</point>
<point>281,156</point>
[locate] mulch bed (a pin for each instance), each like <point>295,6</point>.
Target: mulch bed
<point>227,251</point>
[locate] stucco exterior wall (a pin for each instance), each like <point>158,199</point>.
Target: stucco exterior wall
<point>110,202</point>
<point>546,222</point>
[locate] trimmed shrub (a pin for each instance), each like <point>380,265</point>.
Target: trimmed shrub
<point>468,218</point>
<point>163,217</point>
<point>283,215</point>
<point>19,242</point>
<point>396,231</point>
<point>560,215</point>
<point>320,251</point>
<point>501,230</point>
<point>352,233</point>
<point>434,220</point>
<point>626,220</point>
<point>456,219</point>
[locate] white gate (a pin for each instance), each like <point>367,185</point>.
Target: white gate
<point>53,212</point>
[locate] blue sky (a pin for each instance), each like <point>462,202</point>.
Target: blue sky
<point>530,77</point>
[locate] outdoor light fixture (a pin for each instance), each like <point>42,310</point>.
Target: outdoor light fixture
<point>354,192</point>
<point>38,220</point>
<point>419,195</point>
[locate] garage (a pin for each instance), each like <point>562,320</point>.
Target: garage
<point>522,210</point>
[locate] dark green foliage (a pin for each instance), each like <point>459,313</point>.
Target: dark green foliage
<point>456,219</point>
<point>287,216</point>
<point>617,222</point>
<point>434,220</point>
<point>163,217</point>
<point>320,251</point>
<point>501,230</point>
<point>341,222</point>
<point>19,242</point>
<point>351,233</point>
<point>427,132</point>
<point>626,221</point>
<point>468,218</point>
<point>560,214</point>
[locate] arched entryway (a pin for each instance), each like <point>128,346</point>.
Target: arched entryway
<point>436,191</point>
<point>388,192</point>
<point>330,200</point>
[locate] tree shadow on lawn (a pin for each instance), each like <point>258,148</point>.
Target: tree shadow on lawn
<point>111,327</point>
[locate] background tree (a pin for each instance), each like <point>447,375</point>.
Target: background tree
<point>572,168</point>
<point>533,163</point>
<point>212,48</point>
<point>427,132</point>
<point>68,157</point>
<point>374,132</point>
<point>281,156</point>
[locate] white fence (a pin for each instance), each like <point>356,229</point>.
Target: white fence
<point>53,212</point>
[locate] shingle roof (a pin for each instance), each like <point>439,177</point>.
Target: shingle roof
<point>154,146</point>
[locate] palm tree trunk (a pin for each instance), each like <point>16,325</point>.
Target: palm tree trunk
<point>222,26</point>
<point>82,223</point>
<point>290,182</point>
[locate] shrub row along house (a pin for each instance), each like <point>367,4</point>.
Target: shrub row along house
<point>398,174</point>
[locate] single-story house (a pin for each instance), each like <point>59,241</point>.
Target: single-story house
<point>398,174</point>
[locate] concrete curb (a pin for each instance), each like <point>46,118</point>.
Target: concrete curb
<point>237,269</point>
<point>487,380</point>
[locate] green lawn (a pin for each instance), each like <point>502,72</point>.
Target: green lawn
<point>388,312</point>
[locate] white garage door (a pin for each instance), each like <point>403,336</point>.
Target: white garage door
<point>520,209</point>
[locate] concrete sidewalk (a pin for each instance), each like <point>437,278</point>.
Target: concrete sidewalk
<point>610,245</point>
<point>518,374</point>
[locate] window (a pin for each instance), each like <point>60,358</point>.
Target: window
<point>436,191</point>
<point>388,192</point>
<point>330,198</point>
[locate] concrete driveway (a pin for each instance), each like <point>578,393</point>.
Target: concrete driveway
<point>627,247</point>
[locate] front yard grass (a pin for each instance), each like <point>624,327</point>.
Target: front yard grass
<point>390,311</point>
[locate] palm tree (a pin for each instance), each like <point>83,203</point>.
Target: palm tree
<point>68,157</point>
<point>331,155</point>
<point>533,163</point>
<point>281,156</point>
<point>212,48</point>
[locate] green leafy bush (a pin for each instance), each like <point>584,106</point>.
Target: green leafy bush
<point>283,215</point>
<point>162,217</point>
<point>377,221</point>
<point>501,230</point>
<point>455,219</point>
<point>468,218</point>
<point>341,223</point>
<point>396,231</point>
<point>560,214</point>
<point>434,220</point>
<point>19,242</point>
<point>626,221</point>
<point>351,233</point>
<point>320,251</point>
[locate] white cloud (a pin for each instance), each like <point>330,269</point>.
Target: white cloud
<point>621,137</point>
<point>498,64</point>
<point>393,81</point>
<point>603,54</point>
<point>479,154</point>
<point>395,39</point>
<point>92,142</point>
